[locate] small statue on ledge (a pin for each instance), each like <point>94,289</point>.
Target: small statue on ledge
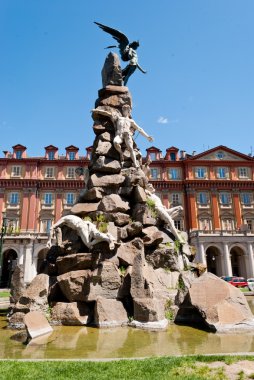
<point>127,51</point>
<point>123,130</point>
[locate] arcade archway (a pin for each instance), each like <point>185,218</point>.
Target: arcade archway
<point>238,262</point>
<point>213,260</point>
<point>9,262</point>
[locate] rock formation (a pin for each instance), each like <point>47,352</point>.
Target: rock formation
<point>146,277</point>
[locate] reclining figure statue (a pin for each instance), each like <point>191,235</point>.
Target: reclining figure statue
<point>87,231</point>
<point>164,214</point>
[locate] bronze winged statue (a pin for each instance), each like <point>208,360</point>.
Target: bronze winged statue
<point>127,51</point>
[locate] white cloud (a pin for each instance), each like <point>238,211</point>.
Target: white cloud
<point>162,120</point>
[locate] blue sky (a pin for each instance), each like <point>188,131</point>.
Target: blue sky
<point>198,92</point>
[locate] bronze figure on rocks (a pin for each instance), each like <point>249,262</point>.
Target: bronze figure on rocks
<point>127,51</point>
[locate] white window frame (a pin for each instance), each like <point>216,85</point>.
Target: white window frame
<point>45,225</point>
<point>227,224</point>
<point>153,156</point>
<point>50,172</point>
<point>244,196</point>
<point>243,172</point>
<point>205,224</point>
<point>223,201</point>
<point>16,171</point>
<point>174,174</point>
<point>46,197</point>
<point>66,198</point>
<point>156,170</point>
<point>70,172</point>
<point>175,199</point>
<point>203,199</point>
<point>179,224</point>
<point>198,171</point>
<point>222,170</point>
<point>14,198</point>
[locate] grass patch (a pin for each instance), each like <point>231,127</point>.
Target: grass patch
<point>4,294</point>
<point>166,368</point>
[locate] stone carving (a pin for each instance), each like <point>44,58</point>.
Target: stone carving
<point>89,234</point>
<point>127,51</point>
<point>124,127</point>
<point>164,214</point>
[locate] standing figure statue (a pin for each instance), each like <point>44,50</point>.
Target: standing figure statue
<point>164,214</point>
<point>127,51</point>
<point>87,231</point>
<point>124,127</point>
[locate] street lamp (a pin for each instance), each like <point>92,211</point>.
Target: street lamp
<point>3,232</point>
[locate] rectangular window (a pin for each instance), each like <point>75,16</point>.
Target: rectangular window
<point>51,155</point>
<point>250,223</point>
<point>222,173</point>
<point>227,224</point>
<point>178,224</point>
<point>200,173</point>
<point>46,225</point>
<point>70,199</point>
<point>172,156</point>
<point>243,172</point>
<point>154,173</point>
<point>202,198</point>
<point>173,173</point>
<point>246,199</point>
<point>205,224</point>
<point>175,199</point>
<point>48,199</point>
<point>16,171</point>
<point>71,172</point>
<point>19,154</point>
<point>225,199</point>
<point>49,172</point>
<point>152,156</point>
<point>14,198</point>
<point>72,156</point>
<point>12,226</point>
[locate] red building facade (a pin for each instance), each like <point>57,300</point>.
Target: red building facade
<point>215,188</point>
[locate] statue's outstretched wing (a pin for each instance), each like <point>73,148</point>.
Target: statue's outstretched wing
<point>119,37</point>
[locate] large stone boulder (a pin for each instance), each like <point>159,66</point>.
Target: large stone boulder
<point>75,285</point>
<point>70,314</point>
<point>113,203</point>
<point>17,284</point>
<point>111,71</point>
<point>215,303</point>
<point>105,282</point>
<point>148,310</point>
<point>74,262</point>
<point>109,312</point>
<point>35,297</point>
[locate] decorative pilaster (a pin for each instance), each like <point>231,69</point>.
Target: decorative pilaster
<point>250,263</point>
<point>227,261</point>
<point>201,253</point>
<point>215,209</point>
<point>192,207</point>
<point>237,208</point>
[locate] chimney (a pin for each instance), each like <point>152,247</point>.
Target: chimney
<point>6,153</point>
<point>194,153</point>
<point>182,154</point>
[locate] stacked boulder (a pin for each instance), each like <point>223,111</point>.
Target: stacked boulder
<point>134,282</point>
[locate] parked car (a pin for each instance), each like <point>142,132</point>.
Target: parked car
<point>228,278</point>
<point>250,282</point>
<point>238,282</point>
